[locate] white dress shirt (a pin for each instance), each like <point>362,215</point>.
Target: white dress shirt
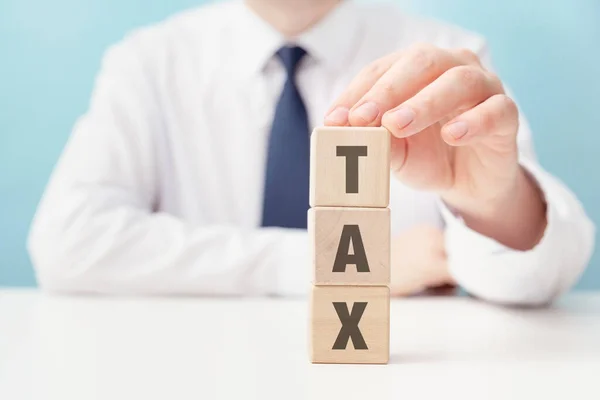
<point>160,187</point>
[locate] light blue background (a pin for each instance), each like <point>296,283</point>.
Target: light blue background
<point>548,51</point>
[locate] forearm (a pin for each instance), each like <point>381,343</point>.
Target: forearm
<point>128,251</point>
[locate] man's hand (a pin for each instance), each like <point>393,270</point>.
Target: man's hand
<point>418,261</point>
<point>454,132</point>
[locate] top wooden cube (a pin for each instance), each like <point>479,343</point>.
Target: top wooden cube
<point>350,167</point>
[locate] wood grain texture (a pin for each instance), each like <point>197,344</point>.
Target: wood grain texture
<point>374,325</point>
<point>328,169</point>
<point>325,227</point>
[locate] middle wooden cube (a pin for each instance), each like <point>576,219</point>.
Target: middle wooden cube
<point>350,246</point>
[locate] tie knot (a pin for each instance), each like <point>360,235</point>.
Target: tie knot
<point>291,57</point>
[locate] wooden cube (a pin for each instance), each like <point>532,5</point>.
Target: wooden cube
<point>350,167</point>
<point>350,246</point>
<point>350,325</point>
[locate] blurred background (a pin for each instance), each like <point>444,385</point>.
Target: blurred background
<point>547,51</point>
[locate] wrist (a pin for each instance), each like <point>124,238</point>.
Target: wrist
<point>488,200</point>
<point>514,216</point>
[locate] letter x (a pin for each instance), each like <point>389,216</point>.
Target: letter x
<point>350,326</point>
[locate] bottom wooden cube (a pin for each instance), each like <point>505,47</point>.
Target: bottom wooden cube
<point>350,324</point>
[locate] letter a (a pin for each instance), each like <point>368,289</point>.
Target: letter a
<point>351,234</point>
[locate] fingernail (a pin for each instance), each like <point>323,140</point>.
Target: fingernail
<point>367,112</point>
<point>339,116</point>
<point>403,117</point>
<point>457,129</point>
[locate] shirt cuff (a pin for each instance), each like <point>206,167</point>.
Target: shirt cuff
<point>487,269</point>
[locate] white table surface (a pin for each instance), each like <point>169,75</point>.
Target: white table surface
<point>203,348</point>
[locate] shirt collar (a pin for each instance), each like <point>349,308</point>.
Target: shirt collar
<point>330,42</point>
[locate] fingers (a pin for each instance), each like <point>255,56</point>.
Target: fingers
<point>467,57</point>
<point>457,89</point>
<point>414,70</point>
<point>495,121</point>
<point>391,80</point>
<point>338,113</point>
<point>418,260</point>
<point>412,276</point>
<point>410,91</point>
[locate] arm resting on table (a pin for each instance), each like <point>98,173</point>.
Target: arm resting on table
<point>97,230</point>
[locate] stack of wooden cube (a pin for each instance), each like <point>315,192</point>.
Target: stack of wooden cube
<point>349,229</point>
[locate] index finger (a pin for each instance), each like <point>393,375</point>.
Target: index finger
<point>412,72</point>
<point>337,115</point>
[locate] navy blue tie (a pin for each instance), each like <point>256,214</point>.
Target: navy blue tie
<point>288,162</point>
